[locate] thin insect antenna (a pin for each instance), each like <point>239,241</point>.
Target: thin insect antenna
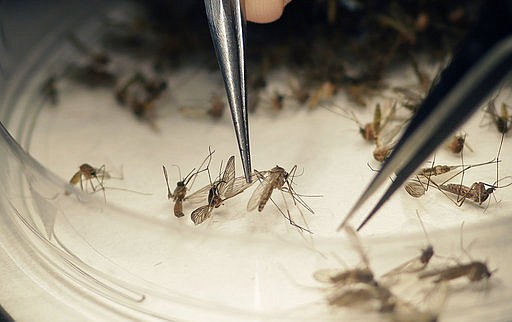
<point>220,169</point>
<point>179,170</point>
<point>354,118</point>
<point>128,190</point>
<point>466,145</point>
<point>498,157</point>
<point>209,176</point>
<point>300,174</point>
<point>462,165</point>
<point>189,176</point>
<point>431,171</point>
<point>297,198</point>
<point>208,158</point>
<point>462,242</point>
<point>169,193</point>
<point>507,185</point>
<point>356,243</point>
<point>423,226</point>
<point>291,175</point>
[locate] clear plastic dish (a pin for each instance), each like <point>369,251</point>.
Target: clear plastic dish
<point>122,255</point>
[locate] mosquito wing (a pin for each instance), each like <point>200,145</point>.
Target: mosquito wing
<point>325,275</point>
<point>239,186</point>
<point>262,192</point>
<point>201,214</point>
<point>411,266</point>
<point>356,243</point>
<point>225,186</point>
<point>415,189</point>
<point>76,178</point>
<point>199,196</point>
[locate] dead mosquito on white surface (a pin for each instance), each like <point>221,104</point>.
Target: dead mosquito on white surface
<point>474,271</point>
<point>414,265</point>
<point>180,192</point>
<point>374,297</point>
<point>457,143</point>
<point>420,183</point>
<point>217,192</point>
<point>277,178</point>
<point>95,72</point>
<point>502,119</point>
<point>479,191</point>
<point>322,93</point>
<point>88,174</point>
<point>343,277</point>
<point>356,287</point>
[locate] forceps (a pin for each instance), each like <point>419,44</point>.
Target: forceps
<point>480,64</point>
<point>227,28</point>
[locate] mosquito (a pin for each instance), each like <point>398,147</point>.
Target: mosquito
<point>140,93</point>
<point>382,152</point>
<point>219,191</point>
<point>409,99</point>
<point>95,72</point>
<point>502,120</point>
<point>419,185</point>
<point>277,101</point>
<point>339,278</point>
<point>180,192</point>
<point>299,91</point>
<point>479,191</point>
<point>217,107</point>
<point>324,92</point>
<point>458,143</point>
<point>364,295</point>
<point>474,271</point>
<point>415,264</point>
<point>89,173</point>
<point>276,179</point>
<point>370,131</point>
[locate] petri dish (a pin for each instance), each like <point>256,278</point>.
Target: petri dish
<point>120,254</point>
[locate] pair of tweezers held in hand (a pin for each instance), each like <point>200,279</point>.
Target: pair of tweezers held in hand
<point>482,61</point>
<point>227,27</point>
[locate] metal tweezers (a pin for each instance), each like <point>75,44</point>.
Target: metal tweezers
<point>482,61</point>
<point>227,27</point>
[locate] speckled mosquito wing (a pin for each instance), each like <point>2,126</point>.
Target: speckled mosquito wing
<point>415,189</point>
<point>199,196</point>
<point>239,186</point>
<point>225,186</point>
<point>262,193</point>
<point>199,215</point>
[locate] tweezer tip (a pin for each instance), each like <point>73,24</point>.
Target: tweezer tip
<point>246,163</point>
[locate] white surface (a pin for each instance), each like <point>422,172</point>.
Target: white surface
<point>237,260</point>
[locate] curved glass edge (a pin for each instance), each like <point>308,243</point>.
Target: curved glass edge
<point>33,201</point>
